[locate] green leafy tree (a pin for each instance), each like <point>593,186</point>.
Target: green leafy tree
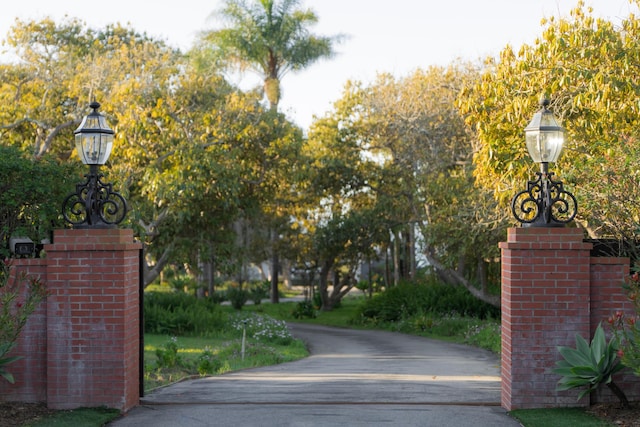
<point>31,195</point>
<point>61,68</point>
<point>340,245</point>
<point>588,67</point>
<point>404,143</point>
<point>191,152</point>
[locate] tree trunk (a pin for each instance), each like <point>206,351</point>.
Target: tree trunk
<point>370,279</point>
<point>324,285</point>
<point>275,297</point>
<point>411,264</point>
<point>396,259</point>
<point>286,273</point>
<point>482,275</point>
<point>211,284</point>
<point>151,273</point>
<point>340,289</point>
<point>387,269</point>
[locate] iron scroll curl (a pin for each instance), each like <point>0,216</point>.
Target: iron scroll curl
<point>545,203</point>
<point>94,204</point>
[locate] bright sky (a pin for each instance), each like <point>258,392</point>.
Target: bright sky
<point>396,36</point>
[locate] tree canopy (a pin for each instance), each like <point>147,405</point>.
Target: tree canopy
<point>402,169</point>
<point>588,67</point>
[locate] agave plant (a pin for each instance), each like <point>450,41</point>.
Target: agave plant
<point>590,365</point>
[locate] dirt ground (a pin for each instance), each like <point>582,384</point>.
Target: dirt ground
<point>17,414</point>
<point>617,416</point>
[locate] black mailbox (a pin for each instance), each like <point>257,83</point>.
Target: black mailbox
<point>22,246</point>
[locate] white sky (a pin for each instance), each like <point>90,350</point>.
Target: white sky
<point>395,36</point>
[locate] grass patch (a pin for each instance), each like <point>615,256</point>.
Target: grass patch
<point>82,417</point>
<point>557,417</point>
<point>169,358</point>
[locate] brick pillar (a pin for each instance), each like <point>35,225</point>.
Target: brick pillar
<point>92,319</point>
<point>545,302</point>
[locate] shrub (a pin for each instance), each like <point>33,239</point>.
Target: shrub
<point>183,283</point>
<point>406,300</point>
<point>238,297</point>
<point>168,356</point>
<point>208,363</point>
<point>260,291</point>
<point>304,309</point>
<point>180,314</point>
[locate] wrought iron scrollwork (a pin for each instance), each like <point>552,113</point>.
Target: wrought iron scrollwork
<point>94,204</point>
<point>545,203</point>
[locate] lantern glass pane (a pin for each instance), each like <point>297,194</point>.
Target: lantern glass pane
<point>533,145</point>
<point>94,148</point>
<point>545,146</point>
<point>544,137</point>
<point>94,138</point>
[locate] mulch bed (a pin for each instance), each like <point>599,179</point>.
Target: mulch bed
<point>16,414</point>
<point>613,413</point>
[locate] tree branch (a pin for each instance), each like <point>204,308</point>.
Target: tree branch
<point>457,279</point>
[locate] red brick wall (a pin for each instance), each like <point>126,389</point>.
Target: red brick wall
<point>552,290</point>
<point>608,297</point>
<point>29,372</point>
<point>92,319</point>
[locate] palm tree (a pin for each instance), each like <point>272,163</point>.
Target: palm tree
<point>270,37</point>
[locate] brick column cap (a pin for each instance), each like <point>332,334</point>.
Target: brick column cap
<point>545,238</point>
<point>93,239</point>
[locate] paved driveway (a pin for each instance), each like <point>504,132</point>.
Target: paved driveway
<point>352,378</point>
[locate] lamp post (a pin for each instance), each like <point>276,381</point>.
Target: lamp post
<point>544,203</point>
<point>94,204</point>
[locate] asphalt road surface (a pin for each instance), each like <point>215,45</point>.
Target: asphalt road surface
<point>352,378</point>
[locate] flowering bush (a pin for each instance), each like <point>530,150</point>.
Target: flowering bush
<point>263,328</point>
<point>18,299</point>
<point>626,329</point>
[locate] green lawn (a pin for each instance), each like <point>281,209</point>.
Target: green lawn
<point>558,417</point>
<point>83,417</point>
